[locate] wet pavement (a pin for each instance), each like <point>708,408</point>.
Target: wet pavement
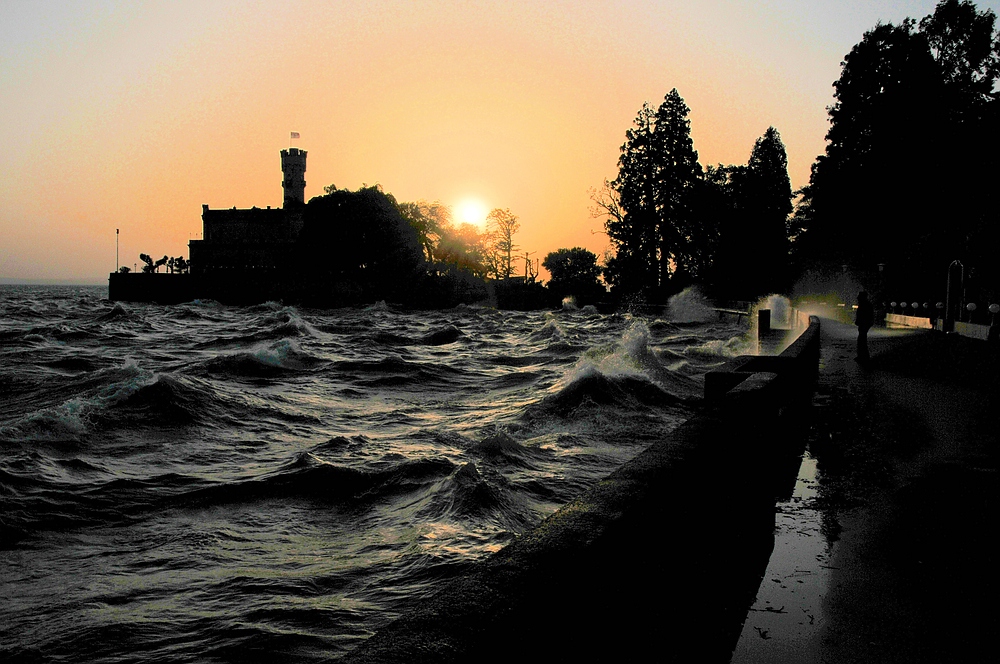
<point>883,549</point>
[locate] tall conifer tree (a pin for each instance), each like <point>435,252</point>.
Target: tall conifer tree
<point>634,267</point>
<point>677,172</point>
<point>767,208</point>
<point>907,181</point>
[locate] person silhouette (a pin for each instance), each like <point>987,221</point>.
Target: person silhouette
<point>864,318</point>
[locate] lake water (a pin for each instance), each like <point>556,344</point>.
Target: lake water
<point>204,482</point>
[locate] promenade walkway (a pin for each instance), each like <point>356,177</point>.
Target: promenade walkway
<point>882,552</point>
<point>885,552</point>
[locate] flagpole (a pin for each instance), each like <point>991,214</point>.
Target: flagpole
<point>116,251</point>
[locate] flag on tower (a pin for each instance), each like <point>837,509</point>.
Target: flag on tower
<point>295,134</point>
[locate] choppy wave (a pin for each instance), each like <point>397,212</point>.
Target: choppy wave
<point>273,482</point>
<point>264,361</point>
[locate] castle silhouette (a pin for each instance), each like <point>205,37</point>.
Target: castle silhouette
<point>253,239</point>
<point>243,254</point>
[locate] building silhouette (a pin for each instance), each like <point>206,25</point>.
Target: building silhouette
<point>244,256</point>
<point>253,240</point>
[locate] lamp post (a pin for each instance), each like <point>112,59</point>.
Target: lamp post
<point>953,294</point>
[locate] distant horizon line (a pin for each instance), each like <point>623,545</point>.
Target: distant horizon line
<point>40,281</point>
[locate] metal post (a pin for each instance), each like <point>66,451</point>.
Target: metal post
<point>116,250</point>
<point>953,295</point>
<point>763,328</point>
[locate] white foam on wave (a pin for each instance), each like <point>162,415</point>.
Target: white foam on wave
<point>274,355</point>
<point>70,419</point>
<point>629,356</point>
<point>551,329</point>
<point>284,354</point>
<point>725,348</point>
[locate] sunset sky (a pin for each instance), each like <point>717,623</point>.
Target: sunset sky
<point>131,115</point>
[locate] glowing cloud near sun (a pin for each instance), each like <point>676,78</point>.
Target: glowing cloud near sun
<point>471,211</point>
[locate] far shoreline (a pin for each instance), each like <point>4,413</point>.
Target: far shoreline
<point>9,281</point>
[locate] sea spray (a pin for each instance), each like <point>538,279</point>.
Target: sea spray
<point>690,306</point>
<point>630,355</point>
<point>780,308</point>
<point>781,317</point>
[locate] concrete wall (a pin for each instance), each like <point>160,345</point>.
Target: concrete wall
<point>793,368</point>
<point>973,330</point>
<point>142,287</point>
<point>239,287</point>
<point>920,322</point>
<point>661,560</point>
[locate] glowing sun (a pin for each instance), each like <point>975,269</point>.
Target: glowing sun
<point>471,211</point>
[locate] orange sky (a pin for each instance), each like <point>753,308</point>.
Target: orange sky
<point>132,115</point>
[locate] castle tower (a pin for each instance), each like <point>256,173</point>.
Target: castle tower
<point>293,166</point>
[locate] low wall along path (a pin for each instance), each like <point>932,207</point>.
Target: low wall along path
<point>668,551</point>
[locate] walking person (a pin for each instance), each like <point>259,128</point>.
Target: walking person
<point>864,318</point>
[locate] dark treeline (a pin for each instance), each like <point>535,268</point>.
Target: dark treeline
<point>674,223</point>
<point>908,180</point>
<point>363,246</point>
<point>905,187</point>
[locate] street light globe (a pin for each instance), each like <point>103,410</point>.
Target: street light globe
<point>971,306</point>
<point>994,308</point>
<point>915,305</point>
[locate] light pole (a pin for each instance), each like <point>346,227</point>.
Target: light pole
<point>953,294</point>
<point>116,250</point>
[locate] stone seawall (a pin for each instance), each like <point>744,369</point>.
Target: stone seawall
<point>663,557</point>
<point>141,287</point>
<point>236,287</point>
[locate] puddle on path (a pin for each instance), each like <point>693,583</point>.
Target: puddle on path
<point>788,610</point>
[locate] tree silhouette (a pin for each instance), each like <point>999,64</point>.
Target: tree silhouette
<point>148,267</point>
<point>905,181</point>
<point>654,221</point>
<point>357,246</point>
<point>863,192</point>
<point>964,46</point>
<point>177,265</point>
<point>768,204</point>
<point>501,226</point>
<point>575,272</point>
<point>680,233</point>
<point>634,267</point>
<point>429,220</point>
<point>462,247</point>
